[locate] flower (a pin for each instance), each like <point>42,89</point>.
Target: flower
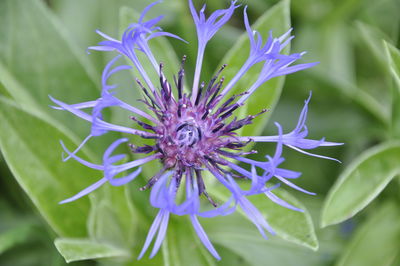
<point>195,132</point>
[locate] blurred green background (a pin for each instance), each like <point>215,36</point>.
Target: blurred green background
<point>356,212</point>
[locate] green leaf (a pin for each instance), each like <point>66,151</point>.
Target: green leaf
<point>112,216</point>
<point>361,182</point>
<point>15,90</point>
<point>330,43</point>
<point>363,99</point>
<point>343,9</point>
<point>37,50</point>
<point>14,236</point>
<point>377,241</point>
<point>373,37</point>
<point>393,55</point>
<point>293,226</point>
<point>31,149</point>
<point>240,236</point>
<point>277,19</point>
<point>122,212</point>
<point>73,249</point>
<point>336,54</point>
<point>394,60</point>
<point>373,76</point>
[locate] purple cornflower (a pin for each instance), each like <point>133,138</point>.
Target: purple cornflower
<point>193,132</point>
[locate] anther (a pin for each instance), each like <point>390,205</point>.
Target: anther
<point>200,92</point>
<point>218,128</point>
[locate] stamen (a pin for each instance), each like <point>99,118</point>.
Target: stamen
<point>199,94</point>
<point>178,176</point>
<point>237,145</point>
<point>226,172</point>
<point>181,74</point>
<point>146,92</point>
<point>211,83</point>
<point>215,160</point>
<point>224,107</point>
<point>180,108</point>
<point>153,180</point>
<point>261,112</point>
<point>229,112</point>
<point>235,125</point>
<point>149,136</point>
<point>159,149</point>
<point>205,114</point>
<point>165,86</point>
<point>202,188</point>
<point>231,154</point>
<point>144,149</point>
<point>142,124</point>
<point>218,128</point>
<point>212,87</point>
<point>217,89</point>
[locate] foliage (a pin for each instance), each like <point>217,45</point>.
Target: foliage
<point>356,100</point>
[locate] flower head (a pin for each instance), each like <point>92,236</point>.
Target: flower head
<point>195,132</point>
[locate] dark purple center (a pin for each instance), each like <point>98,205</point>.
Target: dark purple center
<point>195,135</point>
<point>188,135</point>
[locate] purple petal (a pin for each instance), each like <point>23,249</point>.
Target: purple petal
<point>71,109</point>
<point>112,147</point>
<point>85,191</point>
<point>255,216</point>
<point>281,202</point>
<point>161,234</point>
<point>222,210</point>
<point>105,36</point>
<point>206,29</point>
<point>100,126</point>
<point>240,170</point>
<point>111,170</point>
<point>287,173</point>
<point>290,184</point>
<point>83,105</point>
<point>101,48</point>
<point>126,179</point>
<point>297,138</point>
<point>157,194</point>
<point>147,8</point>
<point>248,28</point>
<point>77,149</point>
<point>292,69</point>
<point>153,229</point>
<point>203,237</point>
<point>313,154</point>
<point>132,164</point>
<point>80,160</point>
<point>158,34</point>
<point>194,12</point>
